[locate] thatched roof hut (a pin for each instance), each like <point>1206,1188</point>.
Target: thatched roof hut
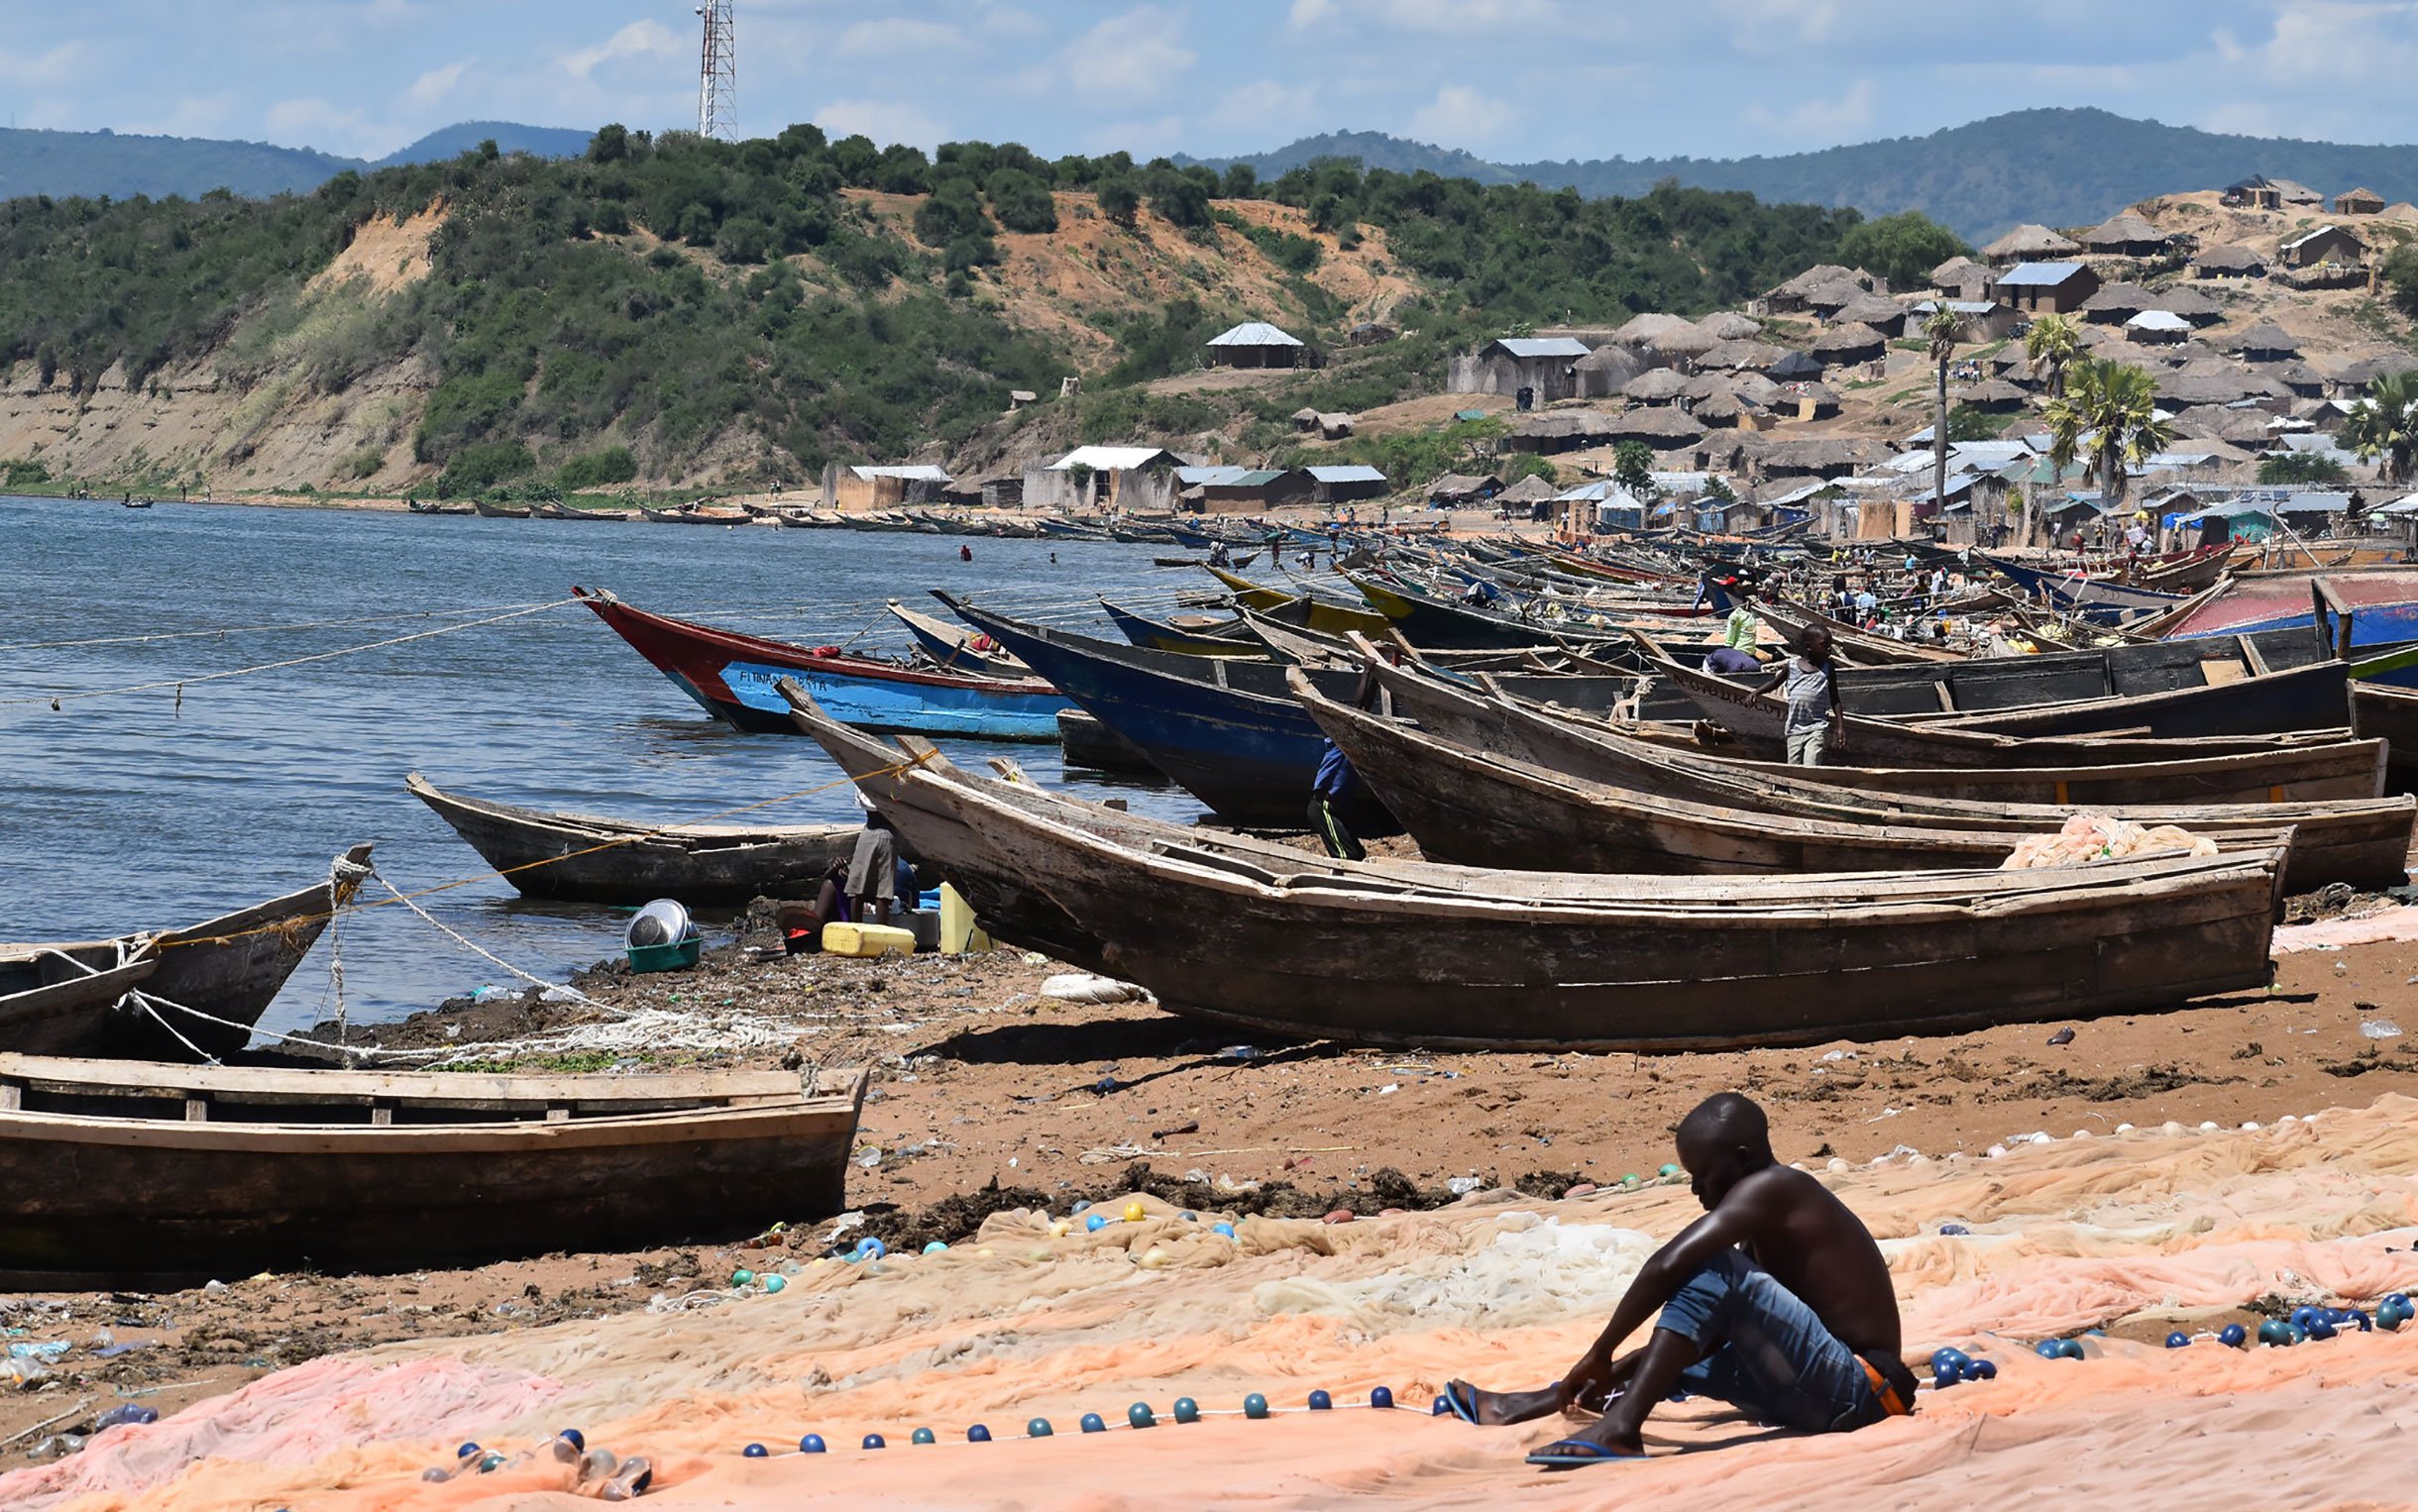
<point>2116,303</point>
<point>1684,341</point>
<point>1741,355</point>
<point>1850,344</point>
<point>2362,372</point>
<point>1531,489</point>
<point>1660,429</point>
<point>1797,293</point>
<point>2359,202</point>
<point>1794,367</point>
<point>1961,274</point>
<point>2186,388</point>
<point>1756,389</point>
<point>1992,395</point>
<point>1705,385</point>
<point>2266,342</point>
<point>2030,242</point>
<point>1559,430</point>
<point>1642,329</point>
<point>1461,488</point>
<point>2156,328</point>
<point>1723,408</point>
<point>1655,385</point>
<point>1884,315</point>
<point>1602,370</point>
<point>1729,325</point>
<point>2216,422</point>
<point>2230,260</point>
<point>2189,303</point>
<point>2126,235</point>
<point>1827,299</point>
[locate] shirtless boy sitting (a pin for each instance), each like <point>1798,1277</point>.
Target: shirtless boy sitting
<point>1776,1300</point>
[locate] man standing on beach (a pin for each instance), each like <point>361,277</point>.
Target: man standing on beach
<point>1776,1300</point>
<point>1815,722</point>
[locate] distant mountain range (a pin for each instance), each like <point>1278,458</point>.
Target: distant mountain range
<point>72,162</point>
<point>2060,168</point>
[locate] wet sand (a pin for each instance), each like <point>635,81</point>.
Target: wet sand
<point>987,1095</point>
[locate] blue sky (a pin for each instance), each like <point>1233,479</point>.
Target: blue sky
<point>1510,80</point>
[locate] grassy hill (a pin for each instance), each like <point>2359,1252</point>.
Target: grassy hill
<point>68,163</point>
<point>2061,167</point>
<point>690,311</point>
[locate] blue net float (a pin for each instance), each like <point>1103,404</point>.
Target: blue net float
<point>2232,1336</point>
<point>774,1283</point>
<point>1187,1410</point>
<point>2178,1341</point>
<point>923,1435</point>
<point>1947,1357</point>
<point>742,1276</point>
<point>574,1438</point>
<point>1255,1405</point>
<point>1094,1223</point>
<point>936,1247</point>
<point>1224,1228</point>
<point>1442,1408</point>
<point>1381,1396</point>
<point>1138,1416</point>
<point>812,1444</point>
<point>977,1435</point>
<point>1981,1369</point>
<point>1321,1402</point>
<point>875,1440</point>
<point>1093,1423</point>
<point>1039,1428</point>
<point>755,1452</point>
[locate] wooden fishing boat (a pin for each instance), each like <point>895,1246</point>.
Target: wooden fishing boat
<point>2356,610</point>
<point>71,997</point>
<point>1852,645</point>
<point>2384,712</point>
<point>2099,600</point>
<point>567,512</point>
<point>1756,812</point>
<point>419,507</point>
<point>955,648</point>
<point>1084,741</point>
<point>1757,718</point>
<point>2186,572</point>
<point>590,859</point>
<point>488,511</point>
<point>1458,957</point>
<point>1320,614</point>
<point>135,503</point>
<point>688,514</point>
<point>1219,637</point>
<point>731,675</point>
<point>1427,620</point>
<point>142,1174</point>
<point>2335,771</point>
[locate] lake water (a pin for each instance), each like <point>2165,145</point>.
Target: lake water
<point>133,812</point>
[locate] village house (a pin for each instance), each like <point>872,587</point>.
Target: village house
<point>2124,235</point>
<point>2116,303</point>
<point>1342,482</point>
<point>2048,288</point>
<point>1137,478</point>
<point>2230,260</point>
<point>1960,278</point>
<point>2323,244</point>
<point>1540,366</point>
<point>874,487</point>
<point>2029,244</point>
<point>2359,202</point>
<point>1257,343</point>
<point>1249,490</point>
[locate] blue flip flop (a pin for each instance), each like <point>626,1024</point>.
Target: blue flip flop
<point>1576,1454</point>
<point>1460,1397</point>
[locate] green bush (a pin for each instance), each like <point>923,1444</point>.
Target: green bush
<point>479,468</point>
<point>612,464</point>
<point>364,462</point>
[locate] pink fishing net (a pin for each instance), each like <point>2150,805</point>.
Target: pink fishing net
<point>2159,1227</point>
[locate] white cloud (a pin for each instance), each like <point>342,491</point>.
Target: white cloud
<point>885,120</point>
<point>1459,115</point>
<point>328,127</point>
<point>639,39</point>
<point>1309,12</point>
<point>1267,109</point>
<point>1456,18</point>
<point>1819,123</point>
<point>193,115</point>
<point>53,67</point>
<point>891,37</point>
<point>434,85</point>
<point>1128,58</point>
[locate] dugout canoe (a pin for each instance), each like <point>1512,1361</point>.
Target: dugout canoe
<point>70,997</point>
<point>1317,613</point>
<point>2326,771</point>
<point>731,675</point>
<point>488,511</point>
<point>2360,842</point>
<point>418,508</point>
<point>2101,601</point>
<point>954,648</point>
<point>1756,720</point>
<point>142,1174</point>
<point>1226,637</point>
<point>1472,808</point>
<point>588,858</point>
<point>1458,957</point>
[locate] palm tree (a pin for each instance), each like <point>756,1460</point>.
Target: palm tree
<point>2111,410</point>
<point>2383,425</point>
<point>1940,331</point>
<point>2052,341</point>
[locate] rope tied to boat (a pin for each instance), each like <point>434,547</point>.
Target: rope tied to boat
<point>57,699</point>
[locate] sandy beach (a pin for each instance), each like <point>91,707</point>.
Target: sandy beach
<point>992,1104</point>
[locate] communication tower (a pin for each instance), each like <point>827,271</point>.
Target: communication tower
<point>718,73</point>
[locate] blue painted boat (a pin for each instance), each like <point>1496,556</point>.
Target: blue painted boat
<point>2381,602</point>
<point>2093,600</point>
<point>1227,640</point>
<point>954,648</point>
<point>732,676</point>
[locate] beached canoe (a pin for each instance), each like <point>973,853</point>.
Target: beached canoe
<point>1320,614</point>
<point>1567,779</point>
<point>1209,637</point>
<point>2100,600</point>
<point>590,859</point>
<point>69,998</point>
<point>488,511</point>
<point>1756,721</point>
<point>568,512</point>
<point>1458,957</point>
<point>693,517</point>
<point>132,1173</point>
<point>2321,773</point>
<point>2381,605</point>
<point>417,507</point>
<point>731,675</point>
